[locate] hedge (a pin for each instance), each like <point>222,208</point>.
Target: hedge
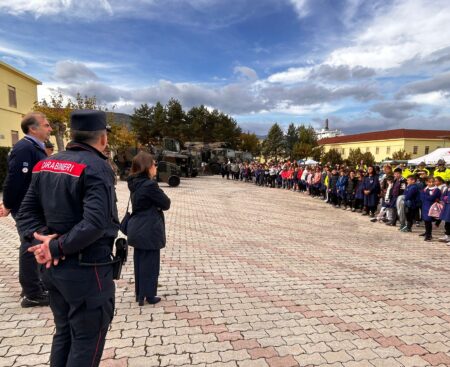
<point>3,164</point>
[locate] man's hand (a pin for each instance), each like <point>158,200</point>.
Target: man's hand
<point>42,251</point>
<point>4,212</point>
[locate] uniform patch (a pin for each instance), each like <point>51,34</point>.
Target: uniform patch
<point>25,170</point>
<point>65,167</point>
<point>25,164</point>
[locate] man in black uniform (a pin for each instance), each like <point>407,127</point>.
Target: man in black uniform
<point>23,157</point>
<point>70,210</point>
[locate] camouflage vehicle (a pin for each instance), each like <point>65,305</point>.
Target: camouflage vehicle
<point>243,156</point>
<point>168,172</point>
<point>214,154</point>
<point>170,151</point>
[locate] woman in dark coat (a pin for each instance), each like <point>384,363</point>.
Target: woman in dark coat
<point>371,187</point>
<point>146,229</point>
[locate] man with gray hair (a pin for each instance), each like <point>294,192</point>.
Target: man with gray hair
<point>22,158</point>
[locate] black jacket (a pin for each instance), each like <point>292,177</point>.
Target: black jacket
<point>21,160</point>
<point>146,228</point>
<point>72,194</point>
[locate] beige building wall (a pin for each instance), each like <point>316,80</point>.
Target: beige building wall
<point>382,149</point>
<point>26,94</point>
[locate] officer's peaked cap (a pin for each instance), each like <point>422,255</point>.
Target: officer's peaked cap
<point>88,120</point>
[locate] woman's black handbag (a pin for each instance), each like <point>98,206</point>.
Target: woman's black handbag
<point>126,218</point>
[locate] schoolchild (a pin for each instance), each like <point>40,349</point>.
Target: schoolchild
<point>341,188</point>
<point>371,187</point>
<point>412,202</point>
<point>430,195</point>
<point>387,200</point>
<point>359,193</point>
<point>445,215</point>
<point>332,188</point>
<point>397,190</point>
<point>350,191</point>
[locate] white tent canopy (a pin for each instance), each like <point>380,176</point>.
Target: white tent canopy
<point>311,161</point>
<point>433,157</point>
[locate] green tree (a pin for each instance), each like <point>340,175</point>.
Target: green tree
<point>355,157</point>
<point>274,143</point>
<point>159,122</point>
<point>142,124</point>
<point>291,140</point>
<point>401,155</point>
<point>307,143</point>
<point>332,156</point>
<point>175,120</point>
<point>120,137</point>
<point>249,143</point>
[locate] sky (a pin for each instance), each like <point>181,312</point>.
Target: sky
<point>364,65</point>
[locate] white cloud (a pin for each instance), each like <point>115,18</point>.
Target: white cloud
<point>398,33</point>
<point>76,8</point>
<point>317,109</point>
<point>440,99</point>
<point>301,7</point>
<point>6,49</point>
<point>247,72</point>
<point>73,71</point>
<point>290,76</point>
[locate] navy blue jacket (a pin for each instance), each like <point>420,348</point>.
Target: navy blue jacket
<point>372,184</point>
<point>72,194</point>
<point>445,198</point>
<point>146,227</point>
<point>429,197</point>
<point>21,160</point>
<point>412,196</point>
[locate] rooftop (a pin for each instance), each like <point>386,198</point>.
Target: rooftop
<point>20,73</point>
<point>388,134</point>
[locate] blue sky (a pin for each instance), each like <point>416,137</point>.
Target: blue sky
<point>364,65</point>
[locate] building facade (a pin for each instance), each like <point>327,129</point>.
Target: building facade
<point>382,144</point>
<point>18,92</point>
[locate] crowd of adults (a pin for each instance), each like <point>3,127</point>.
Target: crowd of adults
<point>386,194</point>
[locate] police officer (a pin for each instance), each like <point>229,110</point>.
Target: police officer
<point>70,210</point>
<point>23,157</point>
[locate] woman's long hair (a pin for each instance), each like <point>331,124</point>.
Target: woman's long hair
<point>141,164</point>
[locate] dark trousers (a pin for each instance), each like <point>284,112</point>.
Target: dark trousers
<point>447,228</point>
<point>428,227</point>
<point>146,273</point>
<point>82,302</point>
<point>411,214</point>
<point>29,277</point>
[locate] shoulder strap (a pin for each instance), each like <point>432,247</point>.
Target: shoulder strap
<point>128,205</point>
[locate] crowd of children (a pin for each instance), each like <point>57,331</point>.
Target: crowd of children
<point>387,195</point>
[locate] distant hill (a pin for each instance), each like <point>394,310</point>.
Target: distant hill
<point>122,118</point>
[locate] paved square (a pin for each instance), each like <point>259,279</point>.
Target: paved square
<point>261,277</point>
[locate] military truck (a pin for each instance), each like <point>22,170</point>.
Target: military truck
<point>168,172</point>
<point>215,154</point>
<point>170,151</point>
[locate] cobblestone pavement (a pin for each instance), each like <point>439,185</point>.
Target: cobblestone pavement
<point>262,277</point>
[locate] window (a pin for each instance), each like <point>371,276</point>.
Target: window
<point>12,97</point>
<point>427,149</point>
<point>14,137</point>
<point>388,150</point>
<point>377,150</point>
<point>343,151</point>
<point>367,149</point>
<point>415,149</point>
